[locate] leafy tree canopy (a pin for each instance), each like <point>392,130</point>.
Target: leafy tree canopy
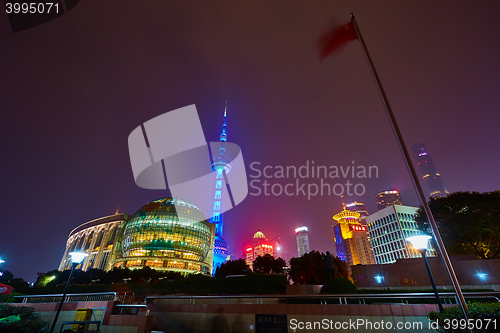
<point>231,267</point>
<point>469,223</point>
<point>310,268</point>
<point>268,264</point>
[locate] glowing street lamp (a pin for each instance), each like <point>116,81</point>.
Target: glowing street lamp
<point>420,243</point>
<point>76,259</point>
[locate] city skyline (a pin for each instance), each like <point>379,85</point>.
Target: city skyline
<point>72,93</point>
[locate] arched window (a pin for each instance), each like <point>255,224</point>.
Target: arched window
<point>79,243</point>
<point>111,239</point>
<point>89,241</point>
<point>99,239</point>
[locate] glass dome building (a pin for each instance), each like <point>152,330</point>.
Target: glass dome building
<point>167,234</point>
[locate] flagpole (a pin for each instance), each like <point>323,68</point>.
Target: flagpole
<point>427,209</point>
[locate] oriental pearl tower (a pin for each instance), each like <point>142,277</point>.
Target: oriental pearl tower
<point>221,166</point>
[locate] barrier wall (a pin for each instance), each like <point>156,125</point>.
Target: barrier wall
<point>244,317</point>
<point>112,323</point>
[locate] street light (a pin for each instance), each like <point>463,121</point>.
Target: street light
<point>420,243</point>
<point>76,259</point>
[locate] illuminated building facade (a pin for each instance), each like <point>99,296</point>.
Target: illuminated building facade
<point>360,208</point>
<point>388,229</point>
<point>166,234</point>
<point>387,198</point>
<point>260,247</point>
<point>430,175</point>
<point>351,239</point>
<point>98,239</point>
<point>221,166</point>
<point>302,236</point>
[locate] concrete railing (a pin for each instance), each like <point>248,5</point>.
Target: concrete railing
<point>55,298</point>
<point>447,297</point>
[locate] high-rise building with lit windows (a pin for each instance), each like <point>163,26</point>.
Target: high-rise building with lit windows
<point>387,198</point>
<point>221,166</point>
<point>302,236</point>
<point>351,239</point>
<point>260,246</point>
<point>430,175</point>
<point>388,229</point>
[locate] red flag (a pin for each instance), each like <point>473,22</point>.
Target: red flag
<point>338,37</point>
<point>5,289</point>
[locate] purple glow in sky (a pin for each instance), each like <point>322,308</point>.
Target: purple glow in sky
<point>72,90</point>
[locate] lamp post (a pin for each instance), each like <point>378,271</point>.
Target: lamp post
<point>76,259</point>
<point>420,243</point>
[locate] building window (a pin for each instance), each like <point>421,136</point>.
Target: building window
<point>104,260</point>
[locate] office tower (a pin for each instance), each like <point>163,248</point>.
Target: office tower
<point>430,175</point>
<point>360,208</point>
<point>351,239</point>
<point>387,198</point>
<point>302,240</point>
<point>388,229</point>
<point>259,247</point>
<point>221,166</point>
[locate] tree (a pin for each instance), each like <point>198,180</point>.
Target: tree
<point>231,267</point>
<point>268,264</point>
<point>18,284</point>
<point>469,223</point>
<point>310,268</point>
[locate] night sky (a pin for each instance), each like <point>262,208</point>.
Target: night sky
<point>73,89</point>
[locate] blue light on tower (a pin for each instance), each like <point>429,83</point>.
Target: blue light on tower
<point>221,166</point>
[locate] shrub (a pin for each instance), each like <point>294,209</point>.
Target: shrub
<point>478,312</point>
<point>339,285</point>
<point>30,321</point>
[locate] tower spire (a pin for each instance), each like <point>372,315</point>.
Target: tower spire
<point>223,136</point>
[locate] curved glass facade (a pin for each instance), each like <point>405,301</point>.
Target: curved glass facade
<point>168,236</point>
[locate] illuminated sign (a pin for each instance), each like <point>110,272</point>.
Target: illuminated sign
<point>249,249</point>
<point>357,228</point>
<point>301,229</point>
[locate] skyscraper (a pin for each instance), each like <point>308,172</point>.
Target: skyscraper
<point>430,175</point>
<point>388,198</point>
<point>302,240</point>
<point>259,248</point>
<point>351,239</point>
<point>388,229</point>
<point>360,208</point>
<point>221,166</point>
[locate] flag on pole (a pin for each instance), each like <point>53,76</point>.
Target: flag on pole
<point>5,289</point>
<point>336,38</point>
